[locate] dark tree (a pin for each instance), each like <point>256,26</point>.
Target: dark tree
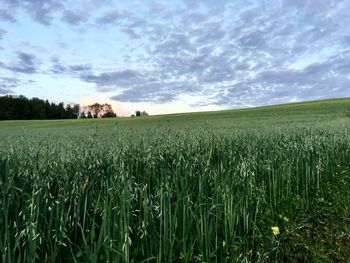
<point>72,112</point>
<point>21,108</point>
<point>76,111</point>
<point>109,115</point>
<point>107,111</point>
<point>95,109</point>
<point>141,113</point>
<point>82,115</point>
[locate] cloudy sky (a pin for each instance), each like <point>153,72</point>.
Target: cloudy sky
<point>175,56</point>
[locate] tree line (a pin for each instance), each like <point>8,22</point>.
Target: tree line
<point>139,113</point>
<point>22,108</point>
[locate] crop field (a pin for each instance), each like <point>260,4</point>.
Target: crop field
<point>268,184</point>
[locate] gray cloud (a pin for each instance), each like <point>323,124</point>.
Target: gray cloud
<point>80,67</point>
<point>155,91</point>
<point>46,11</point>
<point>7,85</point>
<point>315,81</point>
<point>142,94</point>
<point>74,17</point>
<point>4,90</point>
<point>112,16</point>
<point>316,5</point>
<point>114,78</point>
<point>176,43</point>
<point>194,18</point>
<point>130,32</point>
<point>40,10</point>
<point>25,64</point>
<point>208,33</point>
<point>254,39</point>
<point>6,16</point>
<point>2,33</point>
<point>59,68</point>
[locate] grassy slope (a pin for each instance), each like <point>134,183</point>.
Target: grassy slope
<point>323,239</point>
<point>312,111</point>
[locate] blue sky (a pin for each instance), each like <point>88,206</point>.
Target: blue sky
<point>175,56</point>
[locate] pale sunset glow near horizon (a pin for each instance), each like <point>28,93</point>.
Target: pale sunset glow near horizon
<point>175,56</point>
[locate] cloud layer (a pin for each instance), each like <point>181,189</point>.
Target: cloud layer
<point>226,53</point>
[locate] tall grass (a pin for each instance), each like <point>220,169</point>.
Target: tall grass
<point>160,195</point>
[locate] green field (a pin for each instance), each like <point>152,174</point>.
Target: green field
<point>195,187</point>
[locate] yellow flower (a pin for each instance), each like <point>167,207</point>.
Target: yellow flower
<point>275,230</point>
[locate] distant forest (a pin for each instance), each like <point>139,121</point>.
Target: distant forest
<point>22,108</point>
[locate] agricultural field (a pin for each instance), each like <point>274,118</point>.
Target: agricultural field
<point>268,184</point>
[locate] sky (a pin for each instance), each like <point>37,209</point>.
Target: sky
<point>175,56</point>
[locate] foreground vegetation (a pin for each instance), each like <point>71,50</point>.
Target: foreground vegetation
<point>206,187</point>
